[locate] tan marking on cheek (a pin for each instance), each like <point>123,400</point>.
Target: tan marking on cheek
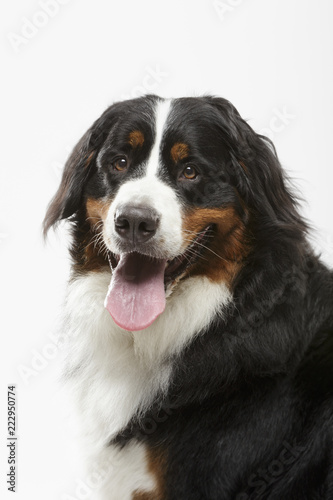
<point>136,138</point>
<point>179,151</point>
<point>156,464</point>
<point>97,209</point>
<point>227,248</point>
<point>90,252</point>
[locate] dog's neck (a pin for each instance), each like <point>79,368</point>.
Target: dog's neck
<point>117,374</point>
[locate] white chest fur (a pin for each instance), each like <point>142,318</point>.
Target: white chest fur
<point>118,473</point>
<point>114,374</point>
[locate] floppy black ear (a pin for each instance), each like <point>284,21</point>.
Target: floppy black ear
<point>257,172</point>
<point>80,165</point>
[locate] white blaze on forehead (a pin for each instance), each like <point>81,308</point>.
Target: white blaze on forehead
<point>161,117</point>
<point>151,191</point>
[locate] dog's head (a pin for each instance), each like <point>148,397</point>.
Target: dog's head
<point>167,189</point>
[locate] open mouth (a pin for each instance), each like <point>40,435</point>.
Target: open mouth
<point>136,295</point>
<point>175,268</point>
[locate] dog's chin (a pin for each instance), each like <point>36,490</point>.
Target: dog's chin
<point>142,282</point>
<point>177,268</point>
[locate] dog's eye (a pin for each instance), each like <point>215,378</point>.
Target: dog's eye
<point>120,163</point>
<point>190,172</point>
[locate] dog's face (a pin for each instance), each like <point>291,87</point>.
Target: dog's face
<point>162,190</point>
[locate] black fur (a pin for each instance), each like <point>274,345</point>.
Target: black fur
<point>249,413</point>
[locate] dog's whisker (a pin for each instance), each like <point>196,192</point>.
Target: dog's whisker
<point>206,248</point>
<point>97,224</point>
<point>95,240</point>
<point>193,253</point>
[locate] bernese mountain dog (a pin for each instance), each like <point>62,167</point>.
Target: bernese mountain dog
<point>199,322</point>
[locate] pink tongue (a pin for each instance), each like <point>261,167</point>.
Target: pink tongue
<point>136,293</point>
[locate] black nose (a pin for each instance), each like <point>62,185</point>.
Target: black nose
<point>136,224</point>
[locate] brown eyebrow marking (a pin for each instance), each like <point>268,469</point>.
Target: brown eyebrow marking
<point>179,151</point>
<point>136,138</point>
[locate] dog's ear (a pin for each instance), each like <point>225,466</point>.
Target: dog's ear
<point>256,170</point>
<point>79,167</point>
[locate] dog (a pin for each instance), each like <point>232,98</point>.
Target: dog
<point>199,321</point>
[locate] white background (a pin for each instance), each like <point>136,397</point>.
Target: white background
<point>266,56</point>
